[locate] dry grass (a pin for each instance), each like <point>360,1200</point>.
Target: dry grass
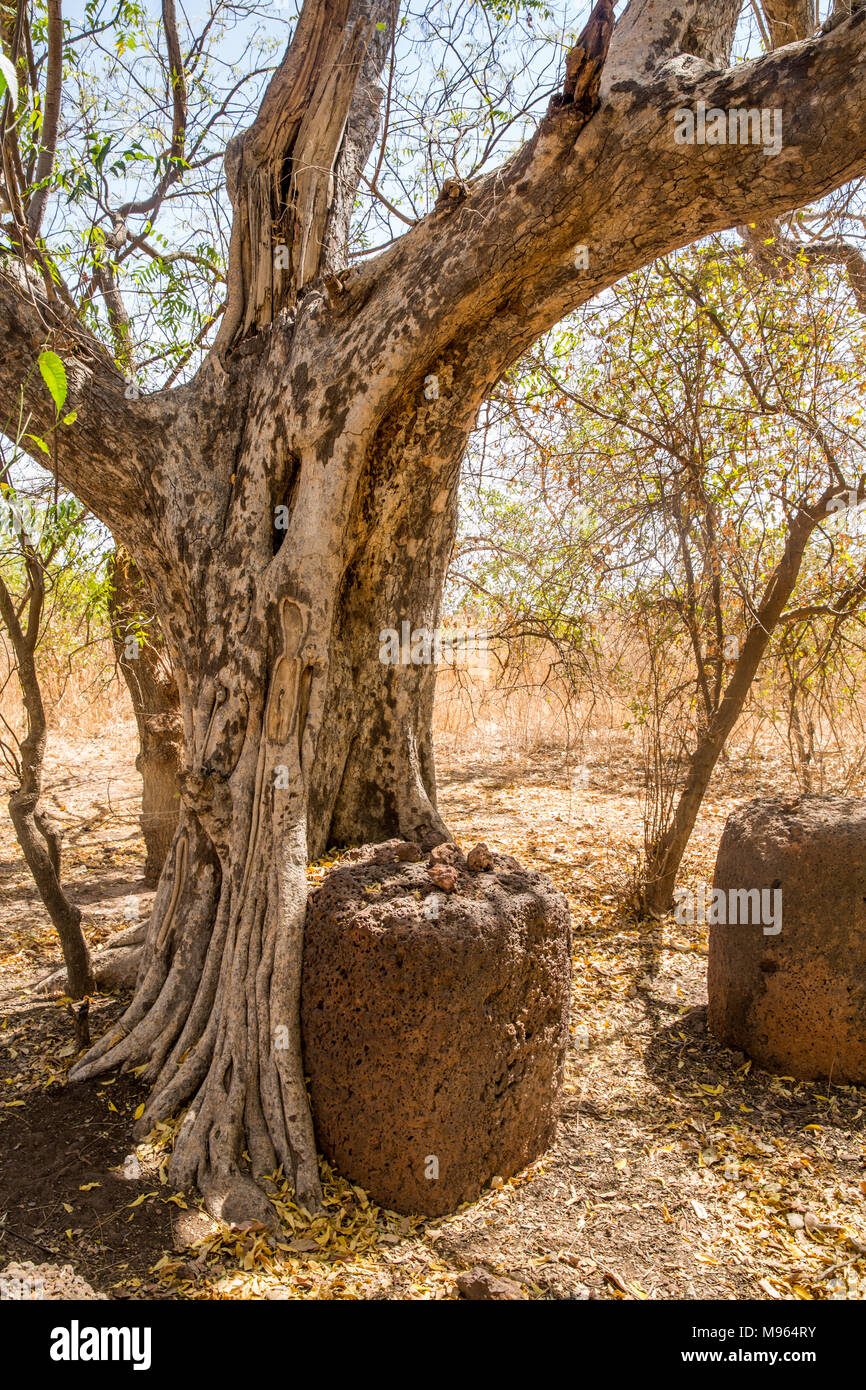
<point>483,708</point>
<point>81,687</point>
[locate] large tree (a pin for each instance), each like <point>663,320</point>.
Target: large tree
<point>316,399</point>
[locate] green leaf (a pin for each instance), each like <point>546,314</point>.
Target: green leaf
<point>11,81</point>
<point>41,442</point>
<point>54,376</point>
<point>70,418</point>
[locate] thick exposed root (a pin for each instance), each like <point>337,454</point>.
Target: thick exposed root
<point>115,969</point>
<point>216,1020</point>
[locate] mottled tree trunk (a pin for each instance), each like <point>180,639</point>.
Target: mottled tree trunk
<point>143,661</point>
<point>296,736</point>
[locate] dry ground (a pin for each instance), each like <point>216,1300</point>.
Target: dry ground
<point>680,1171</point>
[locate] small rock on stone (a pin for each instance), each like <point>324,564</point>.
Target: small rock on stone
<point>408,852</point>
<point>447,853</point>
<point>389,852</point>
<point>479,859</point>
<point>444,877</point>
<point>480,1285</point>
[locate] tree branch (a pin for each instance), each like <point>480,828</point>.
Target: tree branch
<point>650,34</point>
<point>280,171</point>
<point>497,266</point>
<point>105,456</point>
<point>789,20</point>
<point>177,86</point>
<point>51,116</point>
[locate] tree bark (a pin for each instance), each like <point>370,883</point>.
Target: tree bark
<point>143,662</point>
<point>40,843</point>
<point>314,401</point>
<point>282,737</point>
<point>789,20</point>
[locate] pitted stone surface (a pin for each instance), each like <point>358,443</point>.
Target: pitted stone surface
<point>796,1001</point>
<point>434,1024</point>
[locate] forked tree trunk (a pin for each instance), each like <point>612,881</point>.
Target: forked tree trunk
<point>140,653</point>
<point>39,839</point>
<point>37,834</point>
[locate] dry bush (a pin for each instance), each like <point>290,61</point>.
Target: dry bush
<point>488,711</point>
<point>83,692</point>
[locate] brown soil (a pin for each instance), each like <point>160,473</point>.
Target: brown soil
<point>680,1169</point>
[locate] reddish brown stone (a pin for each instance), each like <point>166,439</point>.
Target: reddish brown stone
<point>479,1285</point>
<point>447,853</point>
<point>444,877</point>
<point>407,851</point>
<point>434,1027</point>
<point>796,1001</point>
<point>479,859</point>
<point>389,852</point>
